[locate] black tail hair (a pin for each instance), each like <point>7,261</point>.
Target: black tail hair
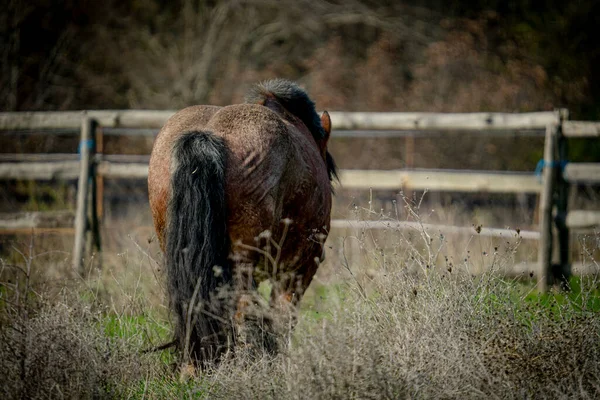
<point>295,100</point>
<point>198,246</point>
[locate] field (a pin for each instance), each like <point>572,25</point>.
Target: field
<point>391,314</point>
<point>461,94</point>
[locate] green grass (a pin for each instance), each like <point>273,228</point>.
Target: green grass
<point>126,326</point>
<point>583,296</point>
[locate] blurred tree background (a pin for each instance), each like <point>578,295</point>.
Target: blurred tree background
<point>367,55</point>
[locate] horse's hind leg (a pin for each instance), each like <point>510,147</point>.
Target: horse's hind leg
<point>253,324</point>
<point>286,293</point>
<point>241,297</point>
<point>289,290</point>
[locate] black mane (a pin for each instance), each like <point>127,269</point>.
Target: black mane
<point>294,99</point>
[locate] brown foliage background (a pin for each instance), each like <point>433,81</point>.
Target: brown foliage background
<point>352,55</point>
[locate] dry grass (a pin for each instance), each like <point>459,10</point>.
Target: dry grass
<point>410,326</point>
<point>389,318</point>
<point>63,352</point>
<point>67,338</point>
<point>436,335</point>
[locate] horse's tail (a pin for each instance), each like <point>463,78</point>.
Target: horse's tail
<point>198,245</point>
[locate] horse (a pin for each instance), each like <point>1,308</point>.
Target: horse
<point>222,182</point>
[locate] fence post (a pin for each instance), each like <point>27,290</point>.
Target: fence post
<point>546,203</point>
<point>81,223</point>
<point>95,221</point>
<point>409,159</point>
<point>563,271</point>
<point>99,178</point>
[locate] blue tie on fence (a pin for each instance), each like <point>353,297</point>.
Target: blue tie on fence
<point>543,163</point>
<point>89,144</point>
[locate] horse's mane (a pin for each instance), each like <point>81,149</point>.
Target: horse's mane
<point>295,100</point>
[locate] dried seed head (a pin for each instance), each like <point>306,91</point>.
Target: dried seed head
<point>266,234</point>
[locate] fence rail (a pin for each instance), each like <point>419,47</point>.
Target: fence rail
<point>43,171</point>
<point>36,220</point>
<point>147,119</point>
<point>415,179</point>
<point>442,180</point>
<point>582,173</point>
<point>433,228</point>
<point>581,129</point>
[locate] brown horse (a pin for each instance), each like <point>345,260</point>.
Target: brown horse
<point>239,194</point>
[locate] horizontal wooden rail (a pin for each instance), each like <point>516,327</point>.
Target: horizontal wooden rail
<point>530,269</point>
<point>583,219</point>
<point>434,180</point>
<point>37,220</point>
<point>440,180</point>
<point>40,170</point>
<point>147,119</point>
<point>582,173</point>
<point>72,119</point>
<point>431,228</point>
<point>41,157</point>
<point>65,220</point>
<point>53,157</point>
<point>123,170</point>
<point>68,170</point>
<point>37,231</point>
<point>581,129</point>
<point>435,121</point>
<point>340,133</point>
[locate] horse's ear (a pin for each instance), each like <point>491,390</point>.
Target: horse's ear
<point>326,123</point>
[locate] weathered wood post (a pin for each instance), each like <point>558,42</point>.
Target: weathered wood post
<point>81,223</point>
<point>409,159</point>
<point>563,261</point>
<point>546,204</point>
<point>94,217</point>
<point>99,178</point>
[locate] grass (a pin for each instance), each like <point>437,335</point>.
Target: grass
<point>387,317</point>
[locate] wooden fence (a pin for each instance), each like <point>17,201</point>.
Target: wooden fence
<point>556,221</point>
<point>90,167</point>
